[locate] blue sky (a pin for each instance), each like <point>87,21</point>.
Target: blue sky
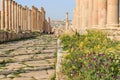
<point>55,9</point>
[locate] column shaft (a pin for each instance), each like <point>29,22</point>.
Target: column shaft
<point>29,20</point>
<point>2,14</point>
<point>95,13</point>
<point>10,14</point>
<point>6,15</point>
<point>86,12</point>
<point>90,4</point>
<point>12,6</point>
<point>102,12</point>
<point>112,12</point>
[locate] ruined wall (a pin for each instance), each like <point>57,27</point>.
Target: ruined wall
<point>17,21</point>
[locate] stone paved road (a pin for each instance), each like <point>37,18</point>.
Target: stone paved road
<point>31,59</point>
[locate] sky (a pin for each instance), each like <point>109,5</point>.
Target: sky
<point>55,9</point>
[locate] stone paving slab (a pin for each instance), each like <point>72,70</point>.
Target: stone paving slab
<point>31,59</point>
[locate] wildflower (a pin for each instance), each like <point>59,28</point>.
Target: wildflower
<point>65,55</point>
<point>84,62</point>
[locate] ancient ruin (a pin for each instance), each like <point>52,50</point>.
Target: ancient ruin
<point>96,13</point>
<point>17,19</point>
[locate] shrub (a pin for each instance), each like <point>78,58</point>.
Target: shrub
<point>91,57</point>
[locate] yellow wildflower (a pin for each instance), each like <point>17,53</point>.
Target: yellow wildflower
<point>65,55</point>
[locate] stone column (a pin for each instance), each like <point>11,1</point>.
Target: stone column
<point>2,14</point>
<point>14,20</point>
<point>24,20</point>
<point>21,18</point>
<point>20,14</point>
<point>112,12</point>
<point>29,20</point>
<point>19,26</point>
<point>90,6</point>
<point>37,21</point>
<point>95,13</point>
<point>83,15</point>
<point>40,21</point>
<point>102,12</point>
<point>67,22</point>
<point>49,26</point>
<point>86,12</point>
<point>77,13</point>
<point>6,15</point>
<point>26,17</point>
<point>12,15</point>
<point>33,18</point>
<point>17,18</point>
<point>36,10</point>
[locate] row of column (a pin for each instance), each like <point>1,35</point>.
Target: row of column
<point>96,13</point>
<point>17,18</point>
<point>47,28</point>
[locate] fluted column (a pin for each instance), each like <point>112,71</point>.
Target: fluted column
<point>10,14</point>
<point>37,21</point>
<point>29,19</point>
<point>26,17</point>
<point>24,21</point>
<point>49,26</point>
<point>33,18</point>
<point>19,14</point>
<point>78,15</point>
<point>86,12</point>
<point>40,21</point>
<point>21,18</point>
<point>90,9</point>
<point>95,13</point>
<point>112,12</point>
<point>83,14</point>
<point>6,15</point>
<point>14,20</point>
<point>17,18</point>
<point>102,12</point>
<point>2,14</point>
<point>12,6</point>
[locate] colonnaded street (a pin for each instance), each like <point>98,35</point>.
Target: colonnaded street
<point>29,59</point>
